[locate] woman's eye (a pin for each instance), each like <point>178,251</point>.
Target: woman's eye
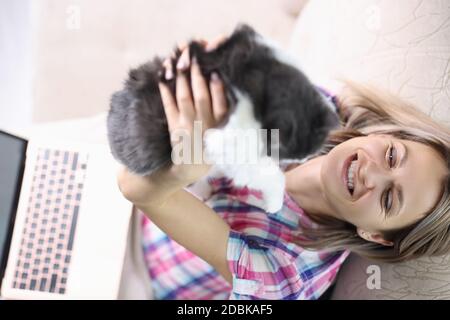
<point>392,156</point>
<point>388,200</point>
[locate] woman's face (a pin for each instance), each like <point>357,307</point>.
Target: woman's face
<point>393,182</point>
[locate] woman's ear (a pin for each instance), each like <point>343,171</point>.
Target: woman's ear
<point>373,237</point>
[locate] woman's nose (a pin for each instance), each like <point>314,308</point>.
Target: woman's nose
<point>374,174</point>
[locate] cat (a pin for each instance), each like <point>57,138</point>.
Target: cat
<point>265,90</point>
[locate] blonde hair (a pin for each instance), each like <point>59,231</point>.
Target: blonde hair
<point>366,110</point>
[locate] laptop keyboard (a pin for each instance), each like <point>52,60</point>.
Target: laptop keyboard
<point>52,214</point>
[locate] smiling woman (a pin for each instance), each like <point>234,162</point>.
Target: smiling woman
<point>384,181</point>
<point>365,190</point>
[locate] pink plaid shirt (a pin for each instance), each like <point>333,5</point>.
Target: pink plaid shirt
<point>264,261</point>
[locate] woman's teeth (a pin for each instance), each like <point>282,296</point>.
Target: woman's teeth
<point>350,175</point>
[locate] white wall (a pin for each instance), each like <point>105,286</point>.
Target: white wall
<point>15,64</point>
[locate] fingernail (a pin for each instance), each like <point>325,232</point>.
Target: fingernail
<point>181,64</point>
<point>169,74</point>
<point>215,77</point>
<point>194,60</point>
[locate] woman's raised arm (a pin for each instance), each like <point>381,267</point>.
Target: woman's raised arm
<point>161,196</point>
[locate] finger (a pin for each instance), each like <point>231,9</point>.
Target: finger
<point>200,91</point>
<point>167,64</point>
<point>183,61</point>
<point>218,97</point>
<point>183,95</point>
<point>182,46</point>
<point>216,42</point>
<point>169,104</point>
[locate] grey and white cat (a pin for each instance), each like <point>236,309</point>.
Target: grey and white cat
<point>265,90</point>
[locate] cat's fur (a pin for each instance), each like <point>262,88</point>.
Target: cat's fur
<point>265,90</point>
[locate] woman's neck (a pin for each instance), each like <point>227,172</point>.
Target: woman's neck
<point>303,184</point>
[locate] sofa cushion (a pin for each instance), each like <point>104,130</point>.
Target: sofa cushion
<point>402,46</point>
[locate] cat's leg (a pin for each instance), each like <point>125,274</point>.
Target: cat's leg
<point>267,178</point>
<point>272,188</point>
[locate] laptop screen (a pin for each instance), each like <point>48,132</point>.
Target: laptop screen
<point>12,161</point>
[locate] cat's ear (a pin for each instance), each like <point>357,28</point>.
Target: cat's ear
<point>145,76</point>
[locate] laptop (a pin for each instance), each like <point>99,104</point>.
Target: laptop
<point>63,221</point>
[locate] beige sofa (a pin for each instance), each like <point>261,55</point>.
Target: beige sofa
<point>400,45</point>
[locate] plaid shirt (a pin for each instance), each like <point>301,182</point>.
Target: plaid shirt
<point>264,261</point>
<point>261,255</point>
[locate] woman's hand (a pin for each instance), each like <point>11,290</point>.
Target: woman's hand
<point>207,104</point>
<point>178,213</point>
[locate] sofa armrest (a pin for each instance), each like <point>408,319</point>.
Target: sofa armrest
<point>402,46</point>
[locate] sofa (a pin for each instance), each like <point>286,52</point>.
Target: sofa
<point>402,46</point>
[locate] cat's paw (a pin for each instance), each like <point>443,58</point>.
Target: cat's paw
<point>273,201</point>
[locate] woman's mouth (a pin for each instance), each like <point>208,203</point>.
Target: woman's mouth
<point>349,173</point>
